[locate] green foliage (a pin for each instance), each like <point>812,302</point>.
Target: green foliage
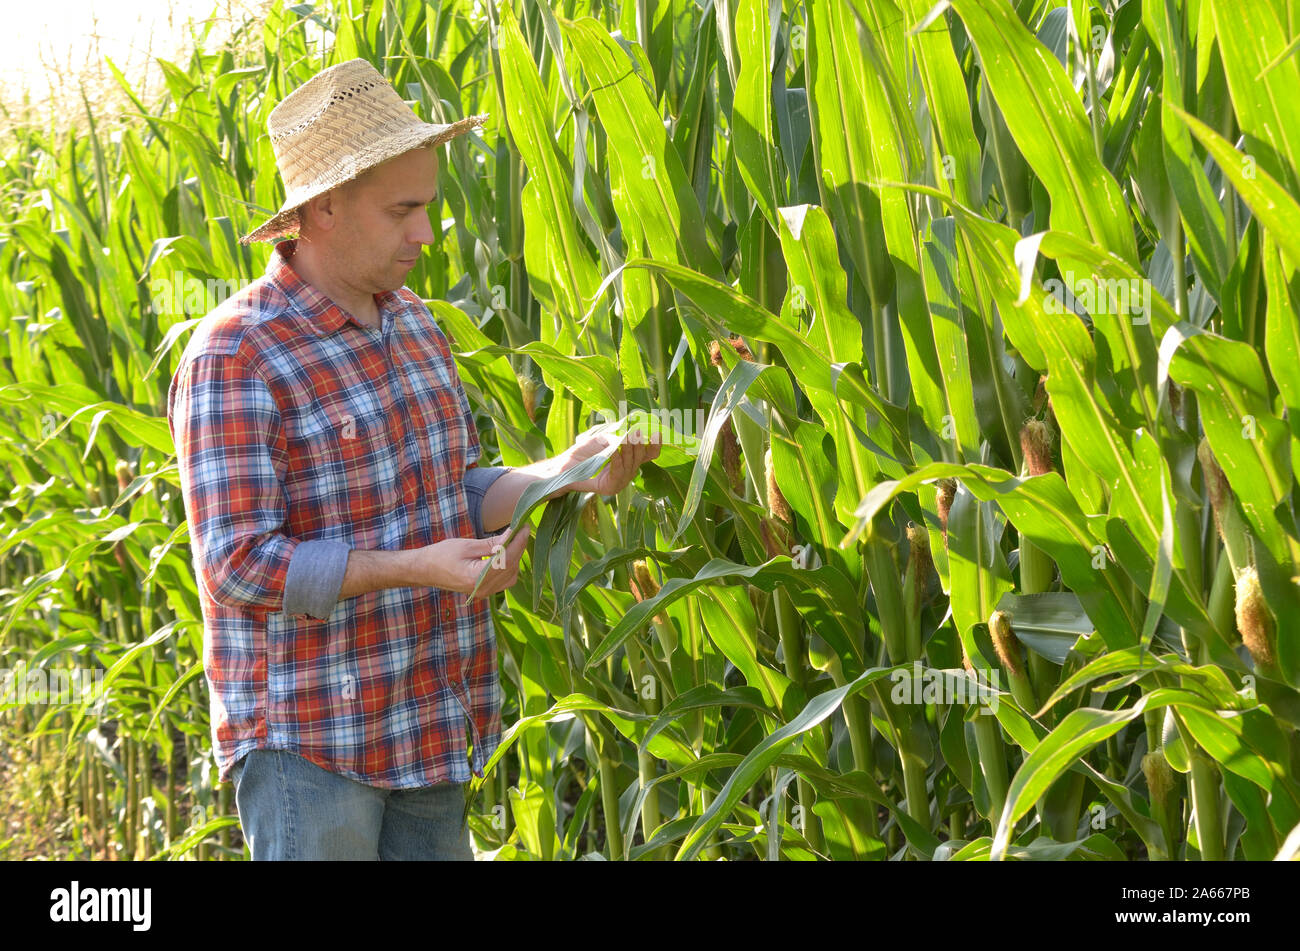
<point>868,242</point>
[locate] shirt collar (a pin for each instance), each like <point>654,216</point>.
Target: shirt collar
<point>324,316</point>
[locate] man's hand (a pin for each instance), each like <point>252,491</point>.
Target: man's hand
<point>637,448</point>
<point>454,564</point>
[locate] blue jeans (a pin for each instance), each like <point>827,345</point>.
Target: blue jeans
<point>290,808</point>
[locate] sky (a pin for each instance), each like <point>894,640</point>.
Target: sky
<point>67,34</point>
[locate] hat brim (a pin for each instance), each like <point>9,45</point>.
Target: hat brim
<point>286,222</point>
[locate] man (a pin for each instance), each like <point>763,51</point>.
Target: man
<point>328,460</point>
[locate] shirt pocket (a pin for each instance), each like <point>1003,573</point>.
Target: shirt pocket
<point>344,468</point>
<point>368,447</point>
<point>442,425</point>
<point>445,437</point>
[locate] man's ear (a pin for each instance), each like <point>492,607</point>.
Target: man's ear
<point>320,214</point>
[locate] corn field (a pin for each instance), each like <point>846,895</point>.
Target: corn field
<point>972,332</point>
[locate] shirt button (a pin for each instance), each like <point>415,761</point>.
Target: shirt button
<point>446,613</point>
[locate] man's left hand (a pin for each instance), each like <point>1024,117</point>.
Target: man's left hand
<point>621,468</point>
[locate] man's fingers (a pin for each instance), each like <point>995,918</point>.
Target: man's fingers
<point>505,570</point>
<point>508,556</point>
<point>516,547</point>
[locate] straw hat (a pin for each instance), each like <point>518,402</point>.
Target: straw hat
<point>341,122</point>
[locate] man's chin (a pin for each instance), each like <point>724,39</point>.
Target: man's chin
<point>395,279</point>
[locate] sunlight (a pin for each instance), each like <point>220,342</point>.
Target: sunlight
<point>54,46</point>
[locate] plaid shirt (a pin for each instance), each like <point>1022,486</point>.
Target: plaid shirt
<point>302,434</point>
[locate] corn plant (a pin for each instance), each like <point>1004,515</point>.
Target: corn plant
<point>971,331</point>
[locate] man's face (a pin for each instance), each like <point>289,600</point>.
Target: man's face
<point>382,221</point>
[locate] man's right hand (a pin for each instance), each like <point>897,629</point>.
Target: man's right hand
<point>455,564</point>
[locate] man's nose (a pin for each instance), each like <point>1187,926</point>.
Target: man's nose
<point>423,229</point>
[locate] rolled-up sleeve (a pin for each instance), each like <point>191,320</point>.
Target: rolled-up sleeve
<point>315,578</point>
<point>478,479</point>
<point>226,425</point>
